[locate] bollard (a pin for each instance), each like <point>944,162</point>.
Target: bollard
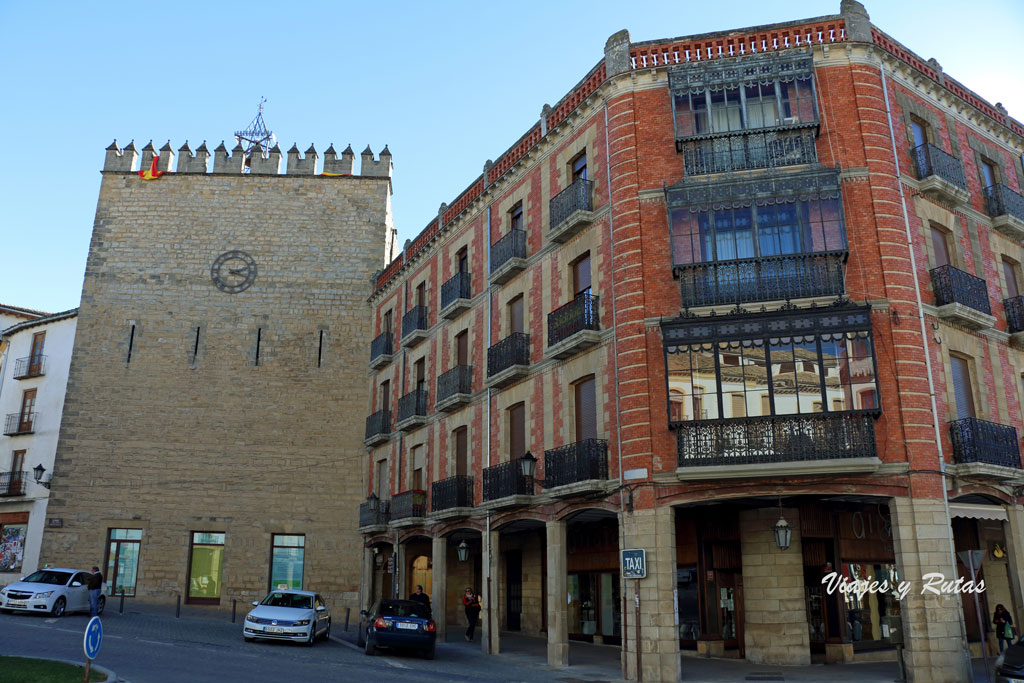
<point>347,611</point>
<point>234,604</point>
<point>120,609</point>
<point>177,609</point>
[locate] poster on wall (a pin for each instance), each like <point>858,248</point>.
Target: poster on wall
<point>12,547</point>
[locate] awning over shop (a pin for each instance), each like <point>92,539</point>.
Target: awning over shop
<point>977,511</point>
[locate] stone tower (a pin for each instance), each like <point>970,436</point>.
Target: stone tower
<point>211,444</point>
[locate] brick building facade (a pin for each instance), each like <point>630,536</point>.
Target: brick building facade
<point>750,302</point>
<point>210,440</point>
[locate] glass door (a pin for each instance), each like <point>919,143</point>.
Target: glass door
<point>123,561</point>
<point>207,561</point>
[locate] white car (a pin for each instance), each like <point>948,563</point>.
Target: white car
<point>50,591</point>
<point>288,615</point>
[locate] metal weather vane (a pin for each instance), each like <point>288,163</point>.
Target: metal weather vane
<point>256,133</point>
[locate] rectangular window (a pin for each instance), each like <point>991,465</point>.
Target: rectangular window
<point>380,482</point>
<point>35,360</point>
<point>940,246</point>
<point>462,260</point>
<point>515,315</point>
<point>579,167</point>
<point>418,468</point>
<point>461,438</point>
<point>989,176</point>
<point>962,392</point>
<point>1010,275</point>
<point>205,567</point>
<point>919,129</point>
<point>586,409</point>
<point>286,559</point>
<point>517,431</point>
<point>780,376</point>
<point>581,275</point>
<point>123,547</point>
<point>421,294</point>
<point>12,541</point>
<point>516,217</point>
<point>462,348</point>
<point>385,323</point>
<point>28,411</point>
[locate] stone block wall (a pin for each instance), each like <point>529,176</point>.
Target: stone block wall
<point>192,409</point>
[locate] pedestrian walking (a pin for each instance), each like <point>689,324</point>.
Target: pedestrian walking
<point>95,589</point>
<point>471,601</point>
<point>1003,623</point>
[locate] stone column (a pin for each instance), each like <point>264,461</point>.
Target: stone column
<point>932,624</point>
<point>490,641</point>
<point>775,627</point>
<point>398,577</point>
<point>558,594</point>
<point>1013,531</point>
<point>439,585</point>
<point>366,586</point>
<point>654,530</point>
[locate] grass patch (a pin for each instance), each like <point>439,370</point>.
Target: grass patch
<point>29,670</point>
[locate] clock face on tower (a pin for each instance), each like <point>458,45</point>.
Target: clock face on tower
<point>233,271</point>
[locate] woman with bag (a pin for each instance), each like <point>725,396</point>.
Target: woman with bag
<point>1003,623</point>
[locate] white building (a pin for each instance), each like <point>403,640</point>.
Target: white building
<point>33,378</point>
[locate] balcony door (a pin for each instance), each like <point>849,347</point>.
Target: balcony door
<point>964,396</point>
<point>579,167</point>
<point>940,245</point>
<point>581,275</point>
<point>28,407</point>
<point>462,258</point>
<point>515,315</point>
<point>586,409</point>
<point>418,466</point>
<point>421,294</point>
<point>462,348</point>
<point>385,324</point>
<point>15,484</point>
<point>35,361</point>
<point>1010,275</point>
<point>461,452</point>
<point>517,431</point>
<point>385,395</point>
<point>420,378</point>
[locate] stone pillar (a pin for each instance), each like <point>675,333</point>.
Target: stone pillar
<point>775,627</point>
<point>654,530</point>
<point>439,585</point>
<point>558,594</point>
<point>932,624</point>
<point>490,641</point>
<point>1013,531</point>
<point>366,586</point>
<point>399,590</point>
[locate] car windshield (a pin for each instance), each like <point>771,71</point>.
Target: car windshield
<point>404,609</point>
<point>288,600</point>
<point>47,576</point>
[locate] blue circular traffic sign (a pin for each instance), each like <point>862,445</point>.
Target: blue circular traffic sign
<point>93,638</point>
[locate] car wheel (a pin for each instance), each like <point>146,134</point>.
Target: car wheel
<point>58,607</point>
<point>369,648</point>
<point>100,604</point>
<point>327,631</point>
<point>429,653</point>
<point>312,635</point>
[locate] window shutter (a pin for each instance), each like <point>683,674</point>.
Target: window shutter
<point>517,431</point>
<point>515,313</point>
<point>940,247</point>
<point>462,348</point>
<point>962,387</point>
<point>461,450</point>
<point>385,395</point>
<point>586,410</point>
<point>581,274</point>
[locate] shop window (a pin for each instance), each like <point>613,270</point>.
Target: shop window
<point>287,553</point>
<point>206,563</point>
<point>12,541</point>
<point>123,547</point>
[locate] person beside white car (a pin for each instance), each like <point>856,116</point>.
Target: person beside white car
<point>52,591</point>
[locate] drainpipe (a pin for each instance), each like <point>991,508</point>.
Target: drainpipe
<point>927,357</point>
<point>487,444</point>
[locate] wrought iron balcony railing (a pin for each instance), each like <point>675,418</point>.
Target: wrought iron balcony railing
<point>378,424</point>
<point>32,366</point>
<point>458,287</point>
<point>408,504</point>
<point>741,151</point>
<point>374,514</point>
<point>579,314</point>
<point>20,423</point>
<point>512,245</point>
<point>1002,201</point>
<point>976,440</point>
<point>453,492</point>
<point>929,160</point>
<point>412,404</point>
<point>506,479</point>
<point>575,462</point>
<point>781,438</point>
<point>955,286</point>
<point>12,484</point>
<point>381,346</point>
<point>1014,313</point>
<point>414,319</point>
<point>576,197</point>
<point>512,350</point>
<point>770,278</point>
<point>458,380</point>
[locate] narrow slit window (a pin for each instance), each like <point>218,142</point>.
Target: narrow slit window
<point>320,350</point>
<point>195,347</point>
<point>259,335</point>
<point>131,343</point>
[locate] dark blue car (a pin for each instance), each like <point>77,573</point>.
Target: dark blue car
<point>398,624</point>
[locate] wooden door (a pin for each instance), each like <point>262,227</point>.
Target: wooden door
<point>35,361</point>
<point>461,451</point>
<point>28,406</point>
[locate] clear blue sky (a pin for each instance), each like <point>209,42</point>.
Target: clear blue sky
<point>445,85</point>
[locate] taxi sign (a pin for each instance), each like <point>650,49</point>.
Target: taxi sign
<point>93,638</point>
<point>634,564</point>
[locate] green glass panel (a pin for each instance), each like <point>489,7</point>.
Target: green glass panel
<point>286,568</point>
<point>207,538</point>
<point>204,579</point>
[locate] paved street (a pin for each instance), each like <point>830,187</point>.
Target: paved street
<point>156,648</point>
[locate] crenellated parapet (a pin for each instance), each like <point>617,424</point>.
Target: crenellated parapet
<point>261,162</point>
